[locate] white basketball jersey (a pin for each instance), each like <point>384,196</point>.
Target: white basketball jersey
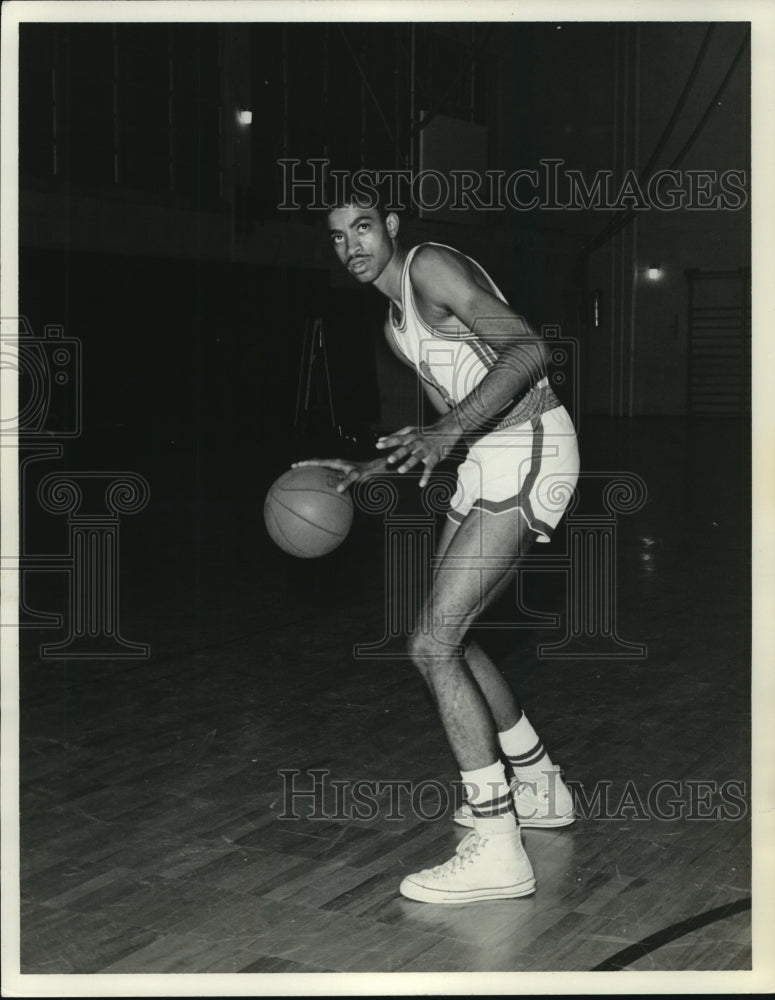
<point>453,359</point>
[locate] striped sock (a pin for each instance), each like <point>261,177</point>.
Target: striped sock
<point>524,750</point>
<point>489,796</point>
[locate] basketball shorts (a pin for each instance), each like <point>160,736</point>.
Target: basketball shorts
<point>532,468</point>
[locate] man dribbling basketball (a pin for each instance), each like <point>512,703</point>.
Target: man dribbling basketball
<point>483,370</point>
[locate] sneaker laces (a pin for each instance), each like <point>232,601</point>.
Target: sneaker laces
<point>467,849</point>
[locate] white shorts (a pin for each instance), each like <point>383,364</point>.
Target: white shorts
<point>532,468</point>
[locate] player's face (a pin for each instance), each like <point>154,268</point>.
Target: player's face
<point>361,241</point>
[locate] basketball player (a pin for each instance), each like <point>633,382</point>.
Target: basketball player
<point>483,370</point>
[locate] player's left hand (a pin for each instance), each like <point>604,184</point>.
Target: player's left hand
<point>413,445</point>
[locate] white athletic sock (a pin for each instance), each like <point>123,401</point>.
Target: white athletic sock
<point>524,749</point>
<point>489,796</point>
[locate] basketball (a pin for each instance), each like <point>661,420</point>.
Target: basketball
<point>305,515</point>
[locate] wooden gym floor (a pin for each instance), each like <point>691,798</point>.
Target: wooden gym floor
<point>152,838</point>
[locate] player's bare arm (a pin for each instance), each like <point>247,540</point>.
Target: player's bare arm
<point>446,290</point>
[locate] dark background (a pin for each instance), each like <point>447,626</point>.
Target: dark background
<point>149,225</point>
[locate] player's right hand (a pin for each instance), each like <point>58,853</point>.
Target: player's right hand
<point>350,472</point>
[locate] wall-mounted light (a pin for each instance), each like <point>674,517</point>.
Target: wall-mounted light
<point>244,117</point>
<point>653,273</point>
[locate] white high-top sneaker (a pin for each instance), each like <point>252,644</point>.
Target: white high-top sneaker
<point>541,801</point>
<point>485,866</point>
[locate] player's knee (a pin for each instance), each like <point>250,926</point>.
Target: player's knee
<point>418,647</point>
<point>426,652</point>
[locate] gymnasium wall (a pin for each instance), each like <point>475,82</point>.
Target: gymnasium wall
<point>637,362</point>
<point>164,243</point>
